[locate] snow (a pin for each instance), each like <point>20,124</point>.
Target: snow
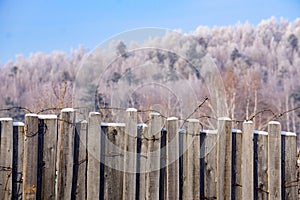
<point>113,124</point>
<point>18,124</point>
<point>193,120</point>
<point>224,118</point>
<point>68,110</point>
<point>47,116</point>
<point>288,133</point>
<point>31,115</point>
<point>6,119</point>
<point>131,110</point>
<point>93,114</point>
<point>142,125</point>
<point>172,118</point>
<point>210,131</point>
<point>260,132</point>
<point>274,122</point>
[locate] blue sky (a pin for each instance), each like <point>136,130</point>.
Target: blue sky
<point>46,25</point>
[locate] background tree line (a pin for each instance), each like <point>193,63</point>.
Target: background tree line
<point>260,66</point>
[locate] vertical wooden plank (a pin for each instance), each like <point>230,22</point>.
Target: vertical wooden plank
<point>260,169</point>
<point>6,153</point>
<point>30,157</point>
<point>142,167</point>
<point>274,160</point>
<point>18,154</point>
<point>153,156</point>
<point>163,158</point>
<point>129,182</point>
<point>236,190</point>
<point>65,153</point>
<point>224,158</point>
<point>48,133</point>
<point>247,161</point>
<point>172,159</point>
<point>191,158</point>
<point>81,131</point>
<point>289,181</point>
<point>114,160</point>
<point>210,167</point>
<point>94,148</point>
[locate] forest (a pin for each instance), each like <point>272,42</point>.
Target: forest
<point>259,66</point>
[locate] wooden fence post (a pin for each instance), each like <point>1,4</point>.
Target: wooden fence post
<point>80,140</point>
<point>191,161</point>
<point>18,154</point>
<point>274,160</point>
<point>289,165</point>
<point>142,167</point>
<point>236,189</point>
<point>172,159</point>
<point>6,153</point>
<point>129,182</point>
<point>47,155</point>
<point>30,157</point>
<point>94,151</point>
<point>260,162</point>
<point>114,160</point>
<point>65,153</point>
<point>153,156</point>
<point>247,161</point>
<point>208,161</point>
<point>224,158</point>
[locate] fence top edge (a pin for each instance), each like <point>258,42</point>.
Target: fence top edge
<point>31,115</point>
<point>236,130</point>
<point>260,132</point>
<point>193,120</point>
<point>210,131</point>
<point>274,122</point>
<point>131,110</point>
<point>18,124</point>
<point>286,133</point>
<point>113,124</point>
<point>68,110</point>
<point>6,119</point>
<point>142,125</point>
<point>172,118</point>
<point>224,118</point>
<point>50,116</point>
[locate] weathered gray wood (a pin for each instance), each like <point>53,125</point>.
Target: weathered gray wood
<point>191,161</point>
<point>94,150</point>
<point>247,161</point>
<point>48,126</point>
<point>30,157</point>
<point>210,167</point>
<point>81,130</point>
<point>274,160</point>
<point>224,156</point>
<point>143,178</point>
<point>114,160</point>
<point>129,182</point>
<point>65,154</point>
<point>290,154</point>
<point>18,146</point>
<point>172,159</point>
<point>6,150</point>
<point>153,156</point>
<point>238,165</point>
<point>261,166</point>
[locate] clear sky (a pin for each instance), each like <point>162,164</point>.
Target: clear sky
<point>28,26</point>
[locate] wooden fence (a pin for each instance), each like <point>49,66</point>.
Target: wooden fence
<point>58,158</point>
